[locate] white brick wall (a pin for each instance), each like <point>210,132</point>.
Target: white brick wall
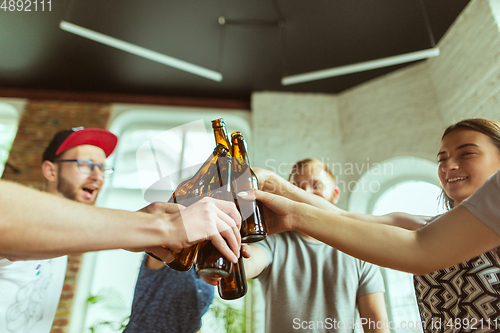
<point>400,114</point>
<point>288,127</point>
<point>390,117</point>
<point>466,74</point>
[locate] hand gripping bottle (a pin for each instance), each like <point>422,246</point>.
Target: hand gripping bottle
<point>187,193</point>
<point>253,226</point>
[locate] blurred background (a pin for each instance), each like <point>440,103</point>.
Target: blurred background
<point>378,129</point>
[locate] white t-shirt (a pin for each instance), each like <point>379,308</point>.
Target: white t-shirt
<point>485,204</point>
<point>29,294</point>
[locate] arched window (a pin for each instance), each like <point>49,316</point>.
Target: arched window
<point>412,187</point>
<point>154,143</point>
<point>412,196</point>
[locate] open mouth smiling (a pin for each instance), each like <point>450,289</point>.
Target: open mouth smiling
<point>456,179</point>
<point>89,192</point>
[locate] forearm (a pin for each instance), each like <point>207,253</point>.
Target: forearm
<point>277,185</point>
<point>422,251</point>
<point>256,263</point>
<point>251,270</point>
<point>364,240</point>
<point>402,220</point>
<point>39,225</point>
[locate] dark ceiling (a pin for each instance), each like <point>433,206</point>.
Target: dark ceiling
<point>253,53</point>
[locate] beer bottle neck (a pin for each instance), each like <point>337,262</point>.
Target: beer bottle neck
<point>221,137</point>
<point>239,150</point>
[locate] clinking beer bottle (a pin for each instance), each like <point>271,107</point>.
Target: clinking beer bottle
<point>253,227</point>
<point>235,285</point>
<point>197,185</point>
<point>187,193</point>
<point>210,262</point>
<point>220,133</point>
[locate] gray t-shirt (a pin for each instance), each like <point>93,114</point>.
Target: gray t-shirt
<point>484,203</point>
<point>308,281</point>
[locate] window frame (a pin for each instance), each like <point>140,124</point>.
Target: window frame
<point>404,169</point>
<point>124,117</point>
<point>11,111</point>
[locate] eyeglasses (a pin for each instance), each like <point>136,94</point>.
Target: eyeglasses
<point>87,166</point>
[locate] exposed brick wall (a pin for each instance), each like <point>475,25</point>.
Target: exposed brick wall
<point>46,113</point>
<point>63,314</point>
<point>40,121</point>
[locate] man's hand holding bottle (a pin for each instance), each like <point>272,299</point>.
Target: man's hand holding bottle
<point>207,219</point>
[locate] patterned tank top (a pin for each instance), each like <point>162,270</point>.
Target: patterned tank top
<point>461,298</point>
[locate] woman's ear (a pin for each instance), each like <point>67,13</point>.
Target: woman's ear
<point>49,171</point>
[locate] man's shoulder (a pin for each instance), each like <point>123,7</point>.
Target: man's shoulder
<point>276,242</point>
<point>359,265</point>
<point>282,238</point>
<point>276,237</point>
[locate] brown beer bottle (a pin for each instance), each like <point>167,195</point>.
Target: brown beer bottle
<point>235,285</point>
<point>253,227</point>
<point>198,184</point>
<point>210,262</point>
<point>220,133</point>
<point>187,193</point>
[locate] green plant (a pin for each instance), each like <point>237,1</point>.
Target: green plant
<point>234,320</point>
<point>111,300</point>
<point>115,326</point>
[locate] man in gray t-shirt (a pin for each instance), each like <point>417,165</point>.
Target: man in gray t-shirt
<point>310,286</point>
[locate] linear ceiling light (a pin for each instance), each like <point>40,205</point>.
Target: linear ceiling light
<point>140,51</point>
<point>360,67</point>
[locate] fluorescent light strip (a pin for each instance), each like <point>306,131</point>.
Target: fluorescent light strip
<point>140,51</point>
<point>360,67</point>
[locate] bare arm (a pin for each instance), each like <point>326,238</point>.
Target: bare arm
<point>420,251</point>
<point>256,263</point>
<point>272,183</point>
<point>36,225</point>
<point>402,220</point>
<point>373,313</point>
<point>153,263</point>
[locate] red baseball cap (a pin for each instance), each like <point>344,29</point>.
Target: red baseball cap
<point>78,136</point>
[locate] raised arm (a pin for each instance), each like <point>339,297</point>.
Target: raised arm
<point>420,251</point>
<point>35,225</point>
<point>272,183</point>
